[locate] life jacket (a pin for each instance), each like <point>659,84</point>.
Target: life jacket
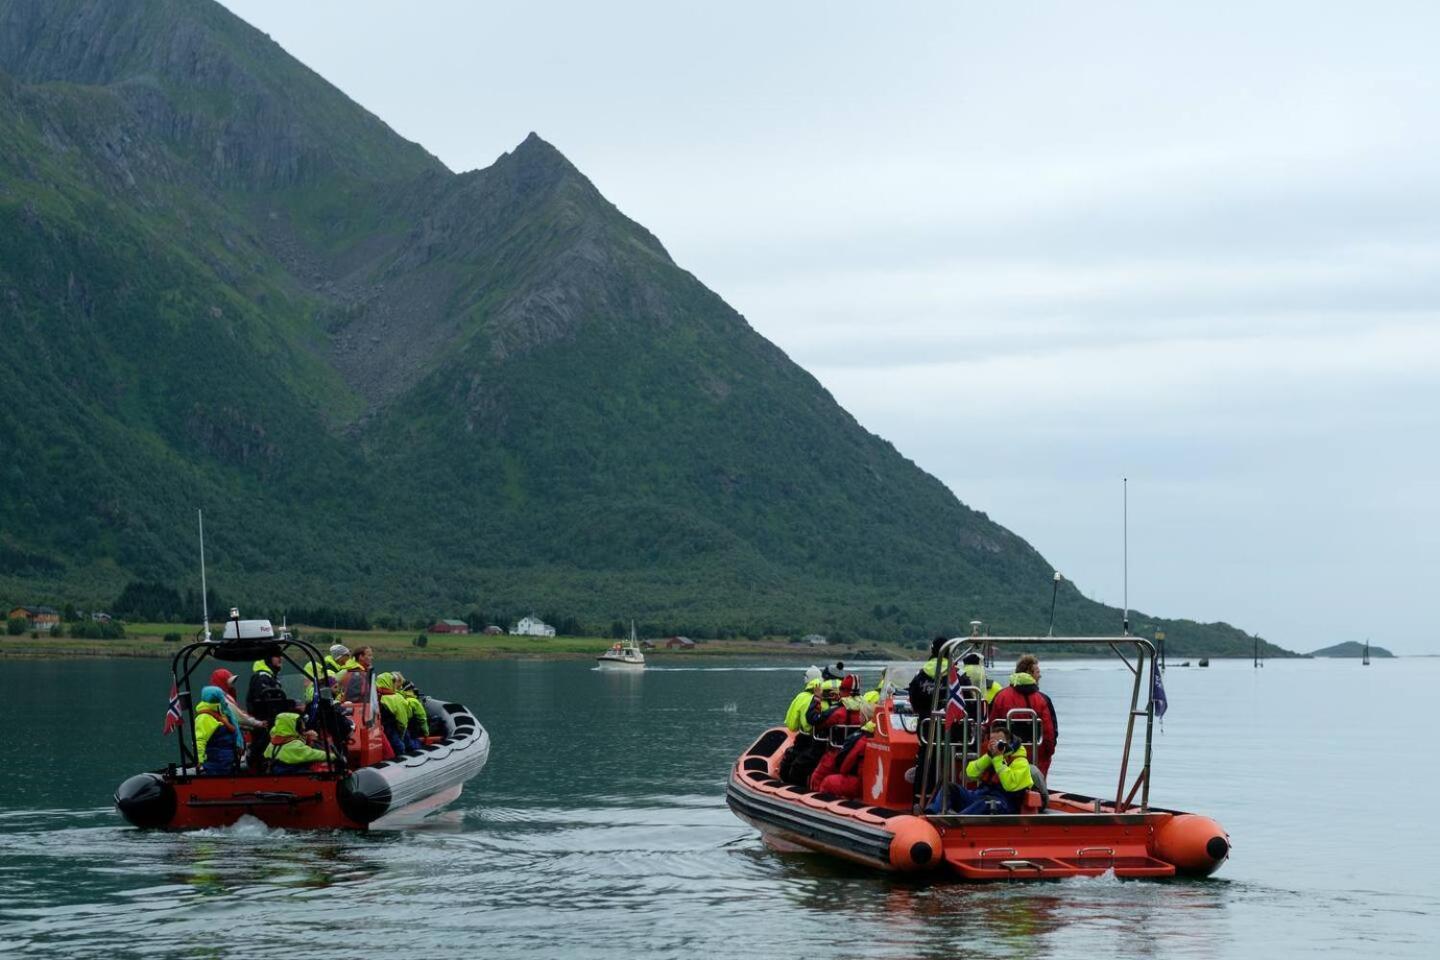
<point>288,750</point>
<point>215,736</point>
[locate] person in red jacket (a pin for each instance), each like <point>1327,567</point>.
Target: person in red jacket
<point>1024,693</point>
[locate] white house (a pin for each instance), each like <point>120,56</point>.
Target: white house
<point>532,626</point>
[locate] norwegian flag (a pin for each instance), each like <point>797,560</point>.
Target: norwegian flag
<point>955,710</point>
<point>173,715</point>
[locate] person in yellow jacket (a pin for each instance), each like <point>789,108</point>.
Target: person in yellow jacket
<point>1004,775</point>
<point>795,713</point>
<point>419,725</point>
<point>310,670</point>
<point>975,672</point>
<point>338,656</point>
<point>394,714</point>
<point>290,750</point>
<point>218,740</point>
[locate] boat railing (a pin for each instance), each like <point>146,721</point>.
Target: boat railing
<point>1144,664</point>
<point>840,733</point>
<point>1024,724</point>
<point>939,739</point>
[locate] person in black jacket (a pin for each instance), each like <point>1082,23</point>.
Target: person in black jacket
<point>265,699</point>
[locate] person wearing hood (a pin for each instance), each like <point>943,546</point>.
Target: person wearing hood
<point>265,698</point>
<point>394,714</point>
<point>1024,693</point>
<point>290,750</point>
<point>795,713</point>
<point>218,740</point>
<point>419,726</point>
<point>923,684</point>
<point>225,680</point>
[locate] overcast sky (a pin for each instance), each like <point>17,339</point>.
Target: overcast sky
<point>1039,246</point>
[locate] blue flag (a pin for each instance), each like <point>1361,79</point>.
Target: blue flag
<point>1157,695</point>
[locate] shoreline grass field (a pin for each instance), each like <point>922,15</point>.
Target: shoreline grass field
<point>146,640</point>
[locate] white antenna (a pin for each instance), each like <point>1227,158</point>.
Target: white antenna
<point>204,593</point>
<point>1125,513</point>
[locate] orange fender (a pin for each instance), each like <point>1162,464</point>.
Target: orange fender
<point>1194,844</point>
<point>915,845</point>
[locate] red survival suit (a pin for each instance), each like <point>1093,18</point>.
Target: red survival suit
<point>1025,693</point>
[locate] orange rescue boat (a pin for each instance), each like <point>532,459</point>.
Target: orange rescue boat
<point>1054,835</point>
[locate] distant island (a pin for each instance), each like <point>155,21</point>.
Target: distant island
<point>1351,648</point>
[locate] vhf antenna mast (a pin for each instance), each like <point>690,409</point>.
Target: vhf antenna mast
<point>204,593</point>
<point>1125,562</point>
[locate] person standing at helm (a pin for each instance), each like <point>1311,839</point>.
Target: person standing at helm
<point>218,741</point>
<point>265,698</point>
<point>922,686</point>
<point>1024,693</point>
<point>290,750</point>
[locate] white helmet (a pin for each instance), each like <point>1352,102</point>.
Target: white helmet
<point>812,673</point>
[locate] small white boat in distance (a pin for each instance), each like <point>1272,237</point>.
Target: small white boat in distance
<point>624,655</point>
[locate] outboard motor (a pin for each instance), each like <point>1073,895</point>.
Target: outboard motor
<point>146,800</point>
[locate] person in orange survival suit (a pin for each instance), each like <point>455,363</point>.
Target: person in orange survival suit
<point>846,709</point>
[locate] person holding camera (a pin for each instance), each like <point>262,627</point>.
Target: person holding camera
<point>1003,772</point>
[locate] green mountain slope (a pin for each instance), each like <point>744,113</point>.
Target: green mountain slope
<point>391,387</point>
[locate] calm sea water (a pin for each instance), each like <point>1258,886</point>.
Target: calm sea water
<point>599,829</point>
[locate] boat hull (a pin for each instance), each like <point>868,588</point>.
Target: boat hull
<point>627,666</point>
<point>402,789</point>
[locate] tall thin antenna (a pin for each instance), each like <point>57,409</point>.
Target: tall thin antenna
<point>204,592</point>
<point>1125,525</point>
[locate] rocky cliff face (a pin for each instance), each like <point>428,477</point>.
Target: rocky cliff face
<point>224,284</point>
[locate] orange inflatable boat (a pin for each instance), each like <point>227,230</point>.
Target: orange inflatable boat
<point>1054,835</point>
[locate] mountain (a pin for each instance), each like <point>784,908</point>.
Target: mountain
<point>392,387</point>
<point>1352,649</point>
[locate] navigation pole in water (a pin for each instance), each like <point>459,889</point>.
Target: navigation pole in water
<point>1366,661</point>
<point>1054,592</point>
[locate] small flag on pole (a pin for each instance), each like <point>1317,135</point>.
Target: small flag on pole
<point>172,715</point>
<point>1157,695</point>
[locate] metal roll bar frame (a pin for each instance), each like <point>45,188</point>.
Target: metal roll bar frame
<point>190,657</point>
<point>939,751</point>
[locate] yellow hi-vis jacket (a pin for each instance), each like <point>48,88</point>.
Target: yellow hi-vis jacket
<point>795,714</point>
<point>1012,771</point>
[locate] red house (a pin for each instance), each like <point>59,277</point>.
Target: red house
<point>449,626</point>
<point>679,643</point>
